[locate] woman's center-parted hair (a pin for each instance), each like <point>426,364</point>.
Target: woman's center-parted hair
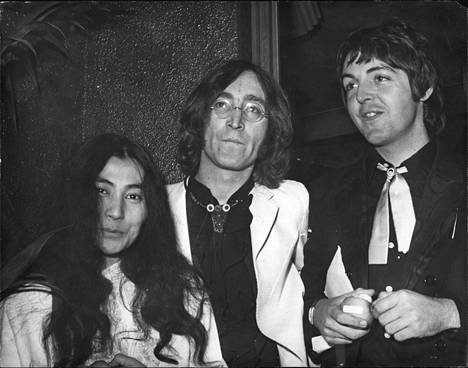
<point>71,263</point>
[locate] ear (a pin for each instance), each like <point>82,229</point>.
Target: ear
<point>427,94</point>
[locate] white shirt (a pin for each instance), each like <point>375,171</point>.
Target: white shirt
<point>22,316</point>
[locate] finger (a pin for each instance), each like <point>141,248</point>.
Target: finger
<point>389,316</point>
<point>396,326</point>
<point>125,361</point>
<point>386,301</point>
<point>350,333</point>
<point>337,341</point>
<point>99,364</point>
<point>382,295</point>
<point>358,291</point>
<point>351,320</point>
<point>335,330</point>
<point>333,336</point>
<point>404,334</point>
<point>355,334</point>
<point>332,330</point>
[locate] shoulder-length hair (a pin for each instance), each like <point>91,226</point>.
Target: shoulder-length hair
<point>71,263</point>
<point>273,158</point>
<point>397,44</point>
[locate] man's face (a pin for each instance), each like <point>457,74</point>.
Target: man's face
<point>380,103</point>
<point>122,206</point>
<point>232,143</point>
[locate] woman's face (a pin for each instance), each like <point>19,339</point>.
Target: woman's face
<point>122,206</point>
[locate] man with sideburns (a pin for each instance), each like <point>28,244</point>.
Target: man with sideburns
<point>390,228</point>
<point>236,217</point>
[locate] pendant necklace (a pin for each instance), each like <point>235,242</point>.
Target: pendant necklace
<point>218,212</point>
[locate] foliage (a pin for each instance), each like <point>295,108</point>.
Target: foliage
<point>45,25</point>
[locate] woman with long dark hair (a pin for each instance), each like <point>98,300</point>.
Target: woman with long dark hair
<point>110,285</point>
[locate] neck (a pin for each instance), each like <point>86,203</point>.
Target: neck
<point>397,155</point>
<point>222,183</point>
<point>109,261</point>
<point>406,146</point>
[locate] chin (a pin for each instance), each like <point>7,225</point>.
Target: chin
<point>232,164</point>
<point>112,250</point>
<point>376,140</point>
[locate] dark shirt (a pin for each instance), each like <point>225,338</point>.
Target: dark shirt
<point>225,259</point>
<point>380,276</point>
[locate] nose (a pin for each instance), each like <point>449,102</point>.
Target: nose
<point>363,94</point>
<point>114,208</point>
<point>236,121</point>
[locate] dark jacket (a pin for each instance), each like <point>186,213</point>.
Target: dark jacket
<point>436,264</point>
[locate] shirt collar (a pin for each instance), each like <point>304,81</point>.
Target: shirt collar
<point>203,193</point>
<point>418,165</point>
<point>422,160</point>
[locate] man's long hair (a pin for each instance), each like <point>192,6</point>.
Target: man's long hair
<point>70,266</point>
<point>273,157</point>
<point>397,44</point>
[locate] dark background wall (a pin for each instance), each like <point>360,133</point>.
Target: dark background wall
<point>325,136</point>
<point>130,74</point>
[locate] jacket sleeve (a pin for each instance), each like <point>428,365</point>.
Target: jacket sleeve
<point>319,251</point>
<point>303,227</point>
<point>213,356</point>
<point>21,317</point>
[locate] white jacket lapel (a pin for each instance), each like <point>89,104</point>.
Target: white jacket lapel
<point>177,201</point>
<point>264,213</point>
<point>279,287</point>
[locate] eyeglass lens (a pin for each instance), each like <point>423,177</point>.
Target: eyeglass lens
<point>252,111</point>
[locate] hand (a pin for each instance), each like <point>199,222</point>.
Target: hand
<point>336,326</point>
<point>100,364</point>
<point>121,360</point>
<point>406,314</point>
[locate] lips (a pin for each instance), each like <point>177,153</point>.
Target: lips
<point>369,114</point>
<point>232,140</point>
<point>111,233</point>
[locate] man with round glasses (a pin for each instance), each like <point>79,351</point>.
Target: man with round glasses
<point>252,111</point>
<point>237,219</point>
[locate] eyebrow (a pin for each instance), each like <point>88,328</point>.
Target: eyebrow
<point>108,182</point>
<point>370,70</point>
<point>246,97</point>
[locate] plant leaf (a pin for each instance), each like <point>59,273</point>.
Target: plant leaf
<point>48,9</point>
<point>52,40</point>
<point>78,25</point>
<point>57,28</point>
<point>31,27</point>
<point>31,68</point>
<point>36,16</point>
<point>11,100</point>
<point>22,41</point>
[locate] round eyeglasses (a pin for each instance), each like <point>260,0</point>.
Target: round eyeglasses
<point>252,111</point>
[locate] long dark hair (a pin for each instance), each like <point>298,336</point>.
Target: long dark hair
<point>273,157</point>
<point>70,265</point>
<point>398,44</point>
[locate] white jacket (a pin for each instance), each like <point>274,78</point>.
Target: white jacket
<point>278,233</point>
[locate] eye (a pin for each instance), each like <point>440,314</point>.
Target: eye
<point>254,108</point>
<point>101,191</point>
<point>134,197</point>
<point>350,85</point>
<point>221,105</point>
<point>381,78</point>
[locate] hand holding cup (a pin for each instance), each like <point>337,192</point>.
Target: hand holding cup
<point>359,305</point>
